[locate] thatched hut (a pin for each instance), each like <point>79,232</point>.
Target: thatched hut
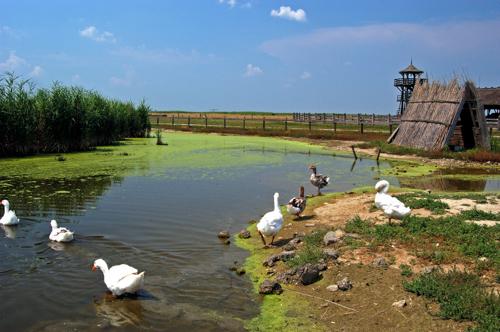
<point>442,115</point>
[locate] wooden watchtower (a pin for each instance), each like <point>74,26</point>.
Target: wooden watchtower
<point>409,77</point>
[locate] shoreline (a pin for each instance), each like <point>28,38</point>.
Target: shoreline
<point>314,308</point>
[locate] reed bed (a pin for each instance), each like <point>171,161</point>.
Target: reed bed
<point>62,118</point>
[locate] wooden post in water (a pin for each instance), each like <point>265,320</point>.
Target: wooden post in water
<point>354,152</point>
<point>378,154</point>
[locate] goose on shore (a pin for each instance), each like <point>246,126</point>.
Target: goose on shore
<point>271,223</point>
<point>9,217</point>
<point>120,279</point>
<point>391,206</point>
<point>318,180</point>
<point>297,205</point>
<point>60,234</point>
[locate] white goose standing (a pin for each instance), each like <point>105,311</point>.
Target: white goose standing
<point>9,217</point>
<point>120,279</point>
<point>271,223</point>
<point>392,207</point>
<point>60,234</point>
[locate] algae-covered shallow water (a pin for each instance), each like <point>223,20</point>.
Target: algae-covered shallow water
<point>157,208</point>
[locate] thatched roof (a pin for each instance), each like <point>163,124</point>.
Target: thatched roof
<point>490,97</point>
<point>432,113</point>
<point>411,69</point>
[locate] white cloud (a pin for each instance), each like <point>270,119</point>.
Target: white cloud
<point>37,71</point>
<point>91,32</point>
<point>252,71</point>
<point>298,15</point>
<point>246,5</point>
<point>230,3</point>
<point>445,37</point>
<point>305,75</point>
<point>8,31</point>
<point>12,62</point>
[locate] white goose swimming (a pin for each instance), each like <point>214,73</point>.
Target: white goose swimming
<point>9,217</point>
<point>392,207</point>
<point>297,205</point>
<point>120,279</point>
<point>271,223</point>
<point>60,234</point>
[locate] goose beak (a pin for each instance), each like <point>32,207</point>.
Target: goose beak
<point>93,267</point>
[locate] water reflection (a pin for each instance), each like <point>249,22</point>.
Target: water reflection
<point>119,312</point>
<point>10,231</point>
<point>63,196</point>
<point>437,183</point>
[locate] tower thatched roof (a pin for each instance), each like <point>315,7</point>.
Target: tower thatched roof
<point>432,114</point>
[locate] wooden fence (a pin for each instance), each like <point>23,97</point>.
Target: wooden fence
<point>294,121</point>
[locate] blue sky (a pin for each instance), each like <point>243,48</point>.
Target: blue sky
<point>253,55</point>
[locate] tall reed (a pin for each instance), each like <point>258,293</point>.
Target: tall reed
<point>62,119</point>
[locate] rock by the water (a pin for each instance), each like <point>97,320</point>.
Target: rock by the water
<point>223,235</point>
<point>244,234</point>
<point>310,274</point>
<point>344,284</point>
<point>331,253</point>
<point>270,287</point>
<point>399,304</point>
<point>305,275</point>
<point>282,256</point>
<point>332,288</point>
<point>292,244</point>
<point>330,238</point>
<point>240,271</point>
<point>380,262</point>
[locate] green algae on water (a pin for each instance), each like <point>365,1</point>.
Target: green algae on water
<point>141,156</point>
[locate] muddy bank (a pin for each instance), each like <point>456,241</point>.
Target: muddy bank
<point>376,271</point>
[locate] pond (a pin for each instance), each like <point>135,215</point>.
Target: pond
<point>157,208</point>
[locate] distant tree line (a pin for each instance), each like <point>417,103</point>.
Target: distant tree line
<point>62,118</point>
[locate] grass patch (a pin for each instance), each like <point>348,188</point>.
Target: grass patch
<point>461,297</point>
<point>311,252</point>
<point>424,201</point>
<point>406,270</point>
<point>457,237</point>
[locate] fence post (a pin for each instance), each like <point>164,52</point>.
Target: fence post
<point>189,121</point>
<point>324,117</point>
<point>286,125</point>
<point>244,123</point>
<point>373,119</point>
<point>206,122</point>
<point>334,126</point>
<point>360,123</point>
<point>345,118</point>
<point>158,121</point>
<point>224,122</point>
<point>173,120</point>
<point>310,123</point>
<point>390,124</point>
<point>264,123</point>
